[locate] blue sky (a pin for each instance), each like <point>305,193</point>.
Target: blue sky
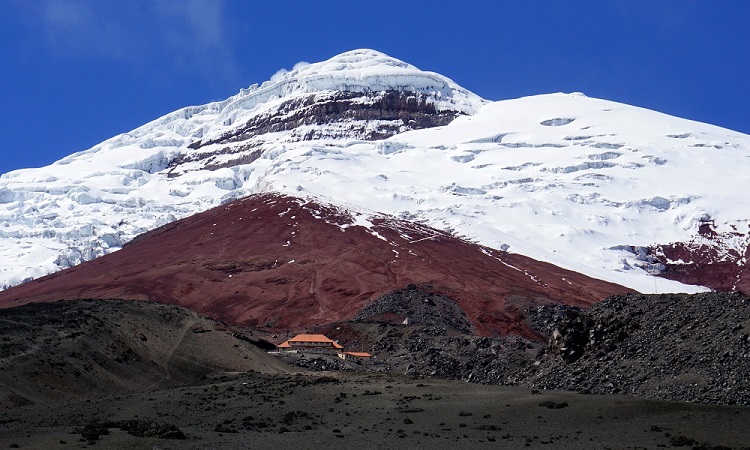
<point>76,72</point>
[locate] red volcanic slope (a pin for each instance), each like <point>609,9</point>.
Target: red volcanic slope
<point>289,263</point>
<point>712,259</point>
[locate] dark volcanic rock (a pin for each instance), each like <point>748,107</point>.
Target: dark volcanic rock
<point>394,111</point>
<point>140,428</point>
<point>669,347</point>
<point>419,307</point>
<point>366,116</point>
<point>436,343</point>
<point>676,347</point>
<point>319,362</point>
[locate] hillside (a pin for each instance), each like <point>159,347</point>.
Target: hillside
<point>83,349</point>
<point>286,263</point>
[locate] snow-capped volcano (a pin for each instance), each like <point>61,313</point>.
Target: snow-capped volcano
<point>586,184</point>
<point>92,202</point>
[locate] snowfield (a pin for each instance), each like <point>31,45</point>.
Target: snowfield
<point>562,178</point>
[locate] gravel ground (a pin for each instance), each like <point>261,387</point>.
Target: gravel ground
<point>365,411</point>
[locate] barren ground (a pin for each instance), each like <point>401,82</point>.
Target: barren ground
<point>251,410</point>
<point>140,375</point>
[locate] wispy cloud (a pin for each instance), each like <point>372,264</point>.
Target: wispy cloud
<point>188,34</point>
<point>194,30</point>
<point>76,28</point>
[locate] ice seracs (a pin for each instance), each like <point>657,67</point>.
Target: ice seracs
<point>563,178</point>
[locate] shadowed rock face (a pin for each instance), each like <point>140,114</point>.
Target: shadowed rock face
<point>409,109</point>
<point>353,115</point>
<point>286,263</point>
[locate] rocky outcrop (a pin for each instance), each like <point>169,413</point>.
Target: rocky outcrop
<point>353,115</point>
<point>668,347</point>
<point>437,351</point>
<point>709,262</point>
<point>413,305</point>
<point>677,347</point>
<point>711,258</point>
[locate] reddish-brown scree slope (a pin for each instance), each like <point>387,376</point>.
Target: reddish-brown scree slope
<point>288,263</point>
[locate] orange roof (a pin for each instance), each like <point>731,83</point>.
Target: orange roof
<point>310,338</point>
<point>359,354</point>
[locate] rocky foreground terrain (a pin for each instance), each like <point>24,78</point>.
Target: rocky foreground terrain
<point>693,348</point>
<point>673,347</point>
<point>129,374</point>
<point>365,411</point>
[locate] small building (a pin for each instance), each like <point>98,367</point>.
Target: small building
<point>316,343</point>
<point>361,356</point>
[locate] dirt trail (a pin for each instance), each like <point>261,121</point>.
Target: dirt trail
<point>178,341</point>
<point>33,349</point>
<point>165,365</point>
